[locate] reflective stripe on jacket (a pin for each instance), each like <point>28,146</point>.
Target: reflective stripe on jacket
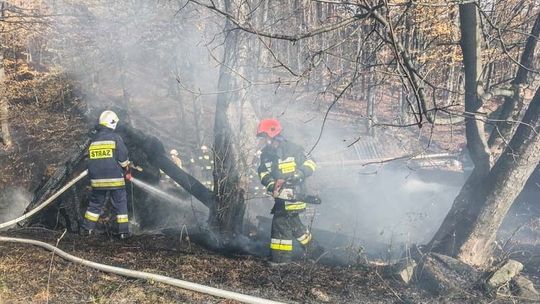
<point>281,163</point>
<point>107,156</point>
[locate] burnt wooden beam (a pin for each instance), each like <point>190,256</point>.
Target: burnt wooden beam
<point>60,176</point>
<point>155,152</point>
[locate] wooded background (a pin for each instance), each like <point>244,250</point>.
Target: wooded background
<point>456,72</point>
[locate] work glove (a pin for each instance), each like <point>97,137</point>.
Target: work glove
<point>127,174</point>
<point>277,187</point>
<point>138,168</point>
<point>296,178</point>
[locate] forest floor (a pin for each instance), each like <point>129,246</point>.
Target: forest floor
<point>30,274</point>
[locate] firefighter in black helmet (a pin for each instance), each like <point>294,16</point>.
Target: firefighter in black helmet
<point>282,170</point>
<point>108,169</point>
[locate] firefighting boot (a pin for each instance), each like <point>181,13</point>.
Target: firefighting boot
<point>277,264</point>
<point>123,236</point>
<point>86,232</point>
<point>280,258</point>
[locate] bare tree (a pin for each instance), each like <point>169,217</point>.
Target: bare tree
<point>470,227</point>
<point>234,128</point>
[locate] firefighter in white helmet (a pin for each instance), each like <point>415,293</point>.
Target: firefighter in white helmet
<point>108,169</point>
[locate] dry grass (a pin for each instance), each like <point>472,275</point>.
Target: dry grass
<point>24,270</point>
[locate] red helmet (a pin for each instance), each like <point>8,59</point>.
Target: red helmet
<point>269,127</point>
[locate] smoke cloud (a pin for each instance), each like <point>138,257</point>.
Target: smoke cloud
<point>13,202</point>
<point>160,61</point>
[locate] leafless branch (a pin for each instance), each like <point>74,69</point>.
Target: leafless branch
<point>503,43</point>
<point>482,94</point>
<point>323,29</point>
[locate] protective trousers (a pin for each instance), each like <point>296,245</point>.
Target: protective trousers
<point>95,208</point>
<point>285,227</point>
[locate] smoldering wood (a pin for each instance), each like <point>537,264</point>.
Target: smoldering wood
<point>59,178</point>
<point>443,275</point>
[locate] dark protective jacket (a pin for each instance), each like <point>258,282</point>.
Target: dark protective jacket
<point>107,156</point>
<point>284,162</point>
<point>206,164</point>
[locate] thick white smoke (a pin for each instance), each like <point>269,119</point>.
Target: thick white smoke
<point>13,202</point>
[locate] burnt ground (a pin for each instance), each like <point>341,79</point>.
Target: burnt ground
<point>30,274</point>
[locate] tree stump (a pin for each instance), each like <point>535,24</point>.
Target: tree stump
<point>443,275</point>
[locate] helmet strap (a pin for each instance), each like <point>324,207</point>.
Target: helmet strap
<point>276,141</point>
<point>279,138</point>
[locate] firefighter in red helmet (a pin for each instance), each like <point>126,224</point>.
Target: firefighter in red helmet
<point>283,169</point>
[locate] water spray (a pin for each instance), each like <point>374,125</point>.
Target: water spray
<point>154,190</point>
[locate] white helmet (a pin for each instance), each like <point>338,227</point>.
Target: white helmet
<point>174,152</point>
<point>108,119</point>
<point>204,148</point>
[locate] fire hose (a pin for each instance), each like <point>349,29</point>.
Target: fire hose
<point>122,271</point>
<point>146,275</point>
<point>52,198</point>
<point>46,202</point>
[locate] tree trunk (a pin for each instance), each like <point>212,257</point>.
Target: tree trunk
<point>197,114</point>
<point>126,96</point>
<point>5,136</point>
<point>459,234</point>
<point>370,109</point>
<point>454,227</point>
<point>4,123</point>
<point>502,186</point>
<point>479,211</point>
<point>234,128</point>
<point>472,61</point>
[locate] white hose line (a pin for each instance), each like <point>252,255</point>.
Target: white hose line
<point>45,203</point>
<point>145,275</point>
